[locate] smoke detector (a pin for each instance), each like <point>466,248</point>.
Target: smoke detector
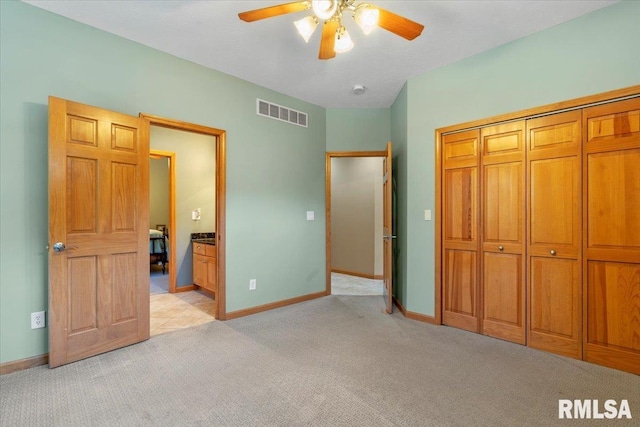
<point>358,89</point>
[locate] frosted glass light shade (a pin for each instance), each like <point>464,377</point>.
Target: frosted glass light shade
<point>343,42</point>
<point>367,18</point>
<point>306,27</point>
<point>324,9</point>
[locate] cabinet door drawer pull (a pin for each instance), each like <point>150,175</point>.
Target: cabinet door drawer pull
<point>552,252</point>
<point>501,248</point>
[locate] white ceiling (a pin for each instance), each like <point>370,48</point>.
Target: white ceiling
<point>270,52</point>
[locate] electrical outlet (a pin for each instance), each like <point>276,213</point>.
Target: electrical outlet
<point>37,320</point>
<point>252,284</point>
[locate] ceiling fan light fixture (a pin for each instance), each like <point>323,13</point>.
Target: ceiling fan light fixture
<point>324,9</point>
<point>306,27</point>
<point>366,17</point>
<point>343,41</point>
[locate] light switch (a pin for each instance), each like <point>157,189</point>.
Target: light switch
<point>195,214</point>
<point>427,215</point>
<point>311,215</point>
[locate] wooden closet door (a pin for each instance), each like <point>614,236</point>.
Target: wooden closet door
<point>611,170</point>
<point>554,224</point>
<point>503,262</point>
<point>460,231</point>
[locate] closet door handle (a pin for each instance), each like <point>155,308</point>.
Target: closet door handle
<point>501,248</point>
<point>552,252</point>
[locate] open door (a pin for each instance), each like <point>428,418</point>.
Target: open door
<point>98,231</point>
<point>387,231</point>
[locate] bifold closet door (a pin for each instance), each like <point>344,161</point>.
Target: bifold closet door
<point>460,231</point>
<point>611,170</point>
<point>554,224</point>
<point>503,225</point>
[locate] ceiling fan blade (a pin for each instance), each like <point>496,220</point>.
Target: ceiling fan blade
<point>399,24</point>
<point>271,11</point>
<point>328,40</point>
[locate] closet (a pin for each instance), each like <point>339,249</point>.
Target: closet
<point>540,228</point>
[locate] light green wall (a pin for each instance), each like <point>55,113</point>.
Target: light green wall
<point>353,129</point>
<point>195,156</point>
<point>591,54</point>
<point>275,171</point>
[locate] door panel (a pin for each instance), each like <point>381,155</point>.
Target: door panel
<point>387,223</point>
<point>98,207</point>
<point>461,199</point>
<point>83,273</point>
<point>460,287</point>
<point>503,201</point>
<point>613,301</point>
<point>612,247</point>
<point>502,288</point>
<point>123,200</point>
<point>555,233</point>
<point>554,305</point>
<point>555,208</point>
<point>124,291</point>
<point>81,200</point>
<point>614,199</point>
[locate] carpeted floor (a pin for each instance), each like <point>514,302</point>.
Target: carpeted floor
<point>333,361</point>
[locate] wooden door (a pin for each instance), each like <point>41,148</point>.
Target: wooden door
<point>503,261</point>
<point>554,222</point>
<point>387,223</point>
<point>460,231</point>
<point>611,170</point>
<point>98,209</point>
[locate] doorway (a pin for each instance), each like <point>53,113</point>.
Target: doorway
<point>357,255</point>
<point>162,211</point>
<point>207,198</point>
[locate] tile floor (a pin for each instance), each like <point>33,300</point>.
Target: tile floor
<point>171,312</point>
<point>342,284</point>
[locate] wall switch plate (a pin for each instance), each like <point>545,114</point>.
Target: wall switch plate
<point>311,215</point>
<point>427,215</point>
<point>195,214</point>
<point>252,284</point>
<point>37,320</point>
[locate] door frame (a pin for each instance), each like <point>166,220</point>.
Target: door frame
<point>221,184</point>
<point>172,214</point>
<point>328,157</point>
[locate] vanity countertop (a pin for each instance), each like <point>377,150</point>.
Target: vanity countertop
<point>205,241</point>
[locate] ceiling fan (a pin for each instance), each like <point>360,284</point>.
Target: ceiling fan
<point>335,37</point>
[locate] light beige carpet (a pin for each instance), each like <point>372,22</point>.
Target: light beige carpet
<point>334,361</point>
